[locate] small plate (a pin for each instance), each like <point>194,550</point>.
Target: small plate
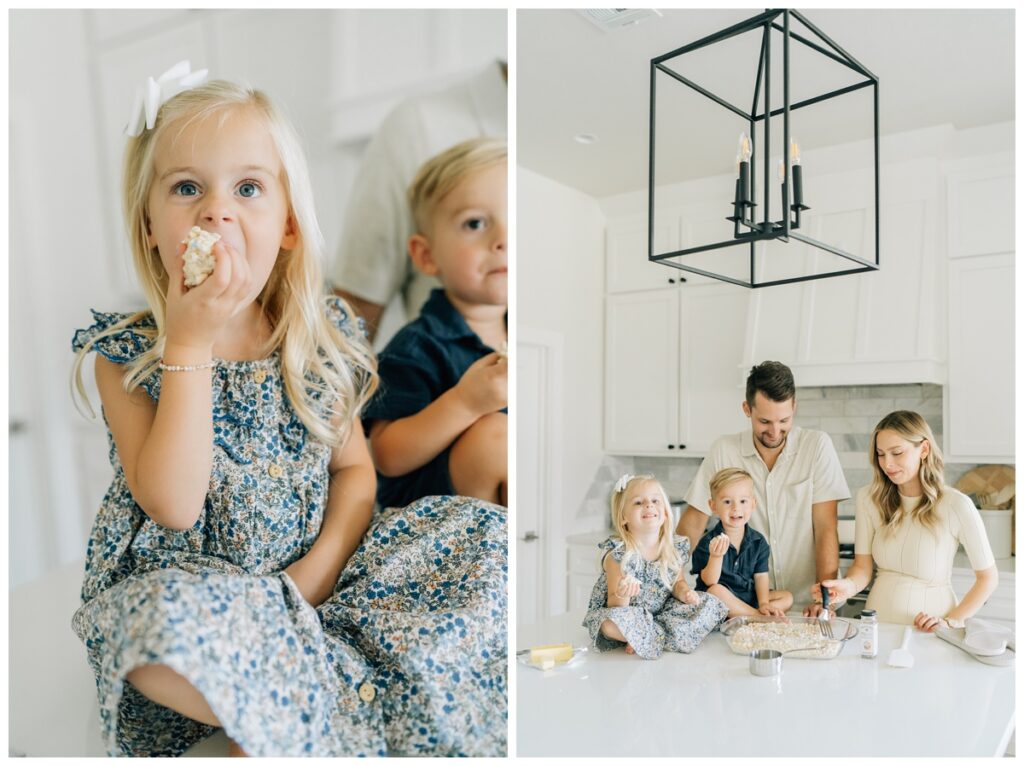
<point>523,657</point>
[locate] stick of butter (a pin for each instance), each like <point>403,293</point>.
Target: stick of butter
<point>549,655</point>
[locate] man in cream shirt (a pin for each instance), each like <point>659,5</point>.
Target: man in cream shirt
<point>798,483</point>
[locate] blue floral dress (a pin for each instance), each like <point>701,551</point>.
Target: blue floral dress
<point>655,621</point>
<point>408,656</point>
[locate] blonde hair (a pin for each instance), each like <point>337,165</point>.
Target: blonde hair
<point>669,561</point>
<point>886,495</point>
<point>725,477</point>
<point>326,373</point>
<point>441,173</point>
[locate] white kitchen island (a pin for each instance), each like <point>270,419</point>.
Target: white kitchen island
<point>707,703</point>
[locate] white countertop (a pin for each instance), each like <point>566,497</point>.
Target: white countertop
<point>707,703</point>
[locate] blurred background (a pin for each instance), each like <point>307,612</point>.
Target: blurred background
<point>73,75</point>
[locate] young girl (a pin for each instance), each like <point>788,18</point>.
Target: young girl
<point>641,599</point>
<point>243,486</point>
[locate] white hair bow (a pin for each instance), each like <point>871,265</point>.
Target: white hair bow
<point>155,93</point>
<point>620,485</point>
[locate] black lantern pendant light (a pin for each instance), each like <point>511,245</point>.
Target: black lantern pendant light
<point>760,236</point>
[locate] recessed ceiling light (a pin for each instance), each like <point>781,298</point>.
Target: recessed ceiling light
<point>585,138</point>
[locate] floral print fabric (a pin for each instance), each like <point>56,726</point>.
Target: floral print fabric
<point>655,621</point>
<point>408,656</point>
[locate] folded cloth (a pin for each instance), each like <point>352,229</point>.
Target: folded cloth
<point>985,637</point>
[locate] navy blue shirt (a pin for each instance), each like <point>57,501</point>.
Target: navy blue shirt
<point>738,567</point>
<point>423,360</point>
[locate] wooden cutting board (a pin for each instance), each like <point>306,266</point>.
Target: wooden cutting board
<point>994,486</point>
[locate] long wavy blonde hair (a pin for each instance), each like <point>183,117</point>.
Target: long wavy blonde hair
<point>327,374</point>
<point>669,561</point>
<point>885,495</point>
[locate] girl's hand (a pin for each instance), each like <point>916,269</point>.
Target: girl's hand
<point>483,387</point>
<point>628,587</point>
<point>690,597</point>
<point>928,623</point>
<point>196,315</point>
<point>719,545</point>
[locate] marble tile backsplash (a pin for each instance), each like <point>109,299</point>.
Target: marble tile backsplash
<point>848,414</point>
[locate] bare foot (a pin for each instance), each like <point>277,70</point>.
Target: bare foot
<point>629,649</point>
<point>235,751</point>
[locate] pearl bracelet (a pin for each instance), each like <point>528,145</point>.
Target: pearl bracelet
<point>186,367</point>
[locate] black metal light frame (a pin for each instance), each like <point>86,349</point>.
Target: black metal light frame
<point>767,229</point>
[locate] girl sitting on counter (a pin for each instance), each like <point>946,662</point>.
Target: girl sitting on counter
<point>910,524</point>
<point>641,599</point>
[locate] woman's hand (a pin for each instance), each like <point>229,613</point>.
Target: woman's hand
<point>928,623</point>
<point>628,587</point>
<point>195,315</point>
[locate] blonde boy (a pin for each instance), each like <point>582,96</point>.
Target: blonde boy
<point>438,424</point>
<point>731,560</point>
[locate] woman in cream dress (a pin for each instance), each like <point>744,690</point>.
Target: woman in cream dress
<point>910,525</point>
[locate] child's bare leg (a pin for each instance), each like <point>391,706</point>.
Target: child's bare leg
<point>781,599</point>
<point>166,687</point>
<point>737,606</point>
<point>611,630</point>
<point>478,462</point>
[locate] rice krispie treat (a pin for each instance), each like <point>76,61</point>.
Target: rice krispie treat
<point>198,256</point>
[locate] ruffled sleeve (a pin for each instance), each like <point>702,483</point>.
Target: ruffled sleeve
<point>122,346</point>
<point>341,317</point>
<point>614,546</point>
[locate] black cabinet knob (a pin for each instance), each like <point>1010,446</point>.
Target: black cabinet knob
<point>682,446</point>
<point>671,281</point>
<point>671,446</point>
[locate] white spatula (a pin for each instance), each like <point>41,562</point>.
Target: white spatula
<point>902,658</point>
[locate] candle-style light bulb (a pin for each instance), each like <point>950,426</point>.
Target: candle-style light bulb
<point>794,152</point>
<point>782,170</point>
<point>743,169</point>
<point>744,148</point>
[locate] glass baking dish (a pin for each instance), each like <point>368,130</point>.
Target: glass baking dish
<point>799,637</point>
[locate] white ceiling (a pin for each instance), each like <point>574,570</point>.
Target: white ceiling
<point>934,67</point>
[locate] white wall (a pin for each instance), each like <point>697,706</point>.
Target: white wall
<point>560,278</point>
<point>73,75</point>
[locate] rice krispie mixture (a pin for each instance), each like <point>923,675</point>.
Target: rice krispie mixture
<point>784,637</point>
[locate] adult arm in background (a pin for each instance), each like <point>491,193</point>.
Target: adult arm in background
<point>825,520</point>
<point>692,524</point>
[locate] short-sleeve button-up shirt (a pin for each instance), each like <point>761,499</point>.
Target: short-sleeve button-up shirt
<point>806,472</point>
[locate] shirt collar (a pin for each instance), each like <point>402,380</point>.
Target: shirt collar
<point>442,318</point>
<point>747,448</point>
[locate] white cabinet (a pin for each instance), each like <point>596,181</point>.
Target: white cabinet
<point>627,267</point>
<point>673,374</point>
<point>874,328</point>
<point>1001,605</point>
<point>979,399</point>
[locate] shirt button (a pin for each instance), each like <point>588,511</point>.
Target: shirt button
<point>275,471</point>
<point>259,376</point>
<point>367,692</point>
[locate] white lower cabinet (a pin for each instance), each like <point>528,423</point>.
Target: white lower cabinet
<point>1001,604</point>
<point>673,375</point>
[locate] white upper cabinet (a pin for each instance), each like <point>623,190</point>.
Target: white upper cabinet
<point>626,264</point>
<point>979,400</point>
<point>673,375</point>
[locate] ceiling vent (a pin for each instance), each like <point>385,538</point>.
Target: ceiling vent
<point>610,19</point>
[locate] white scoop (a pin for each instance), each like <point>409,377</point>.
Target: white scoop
<point>902,658</point>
